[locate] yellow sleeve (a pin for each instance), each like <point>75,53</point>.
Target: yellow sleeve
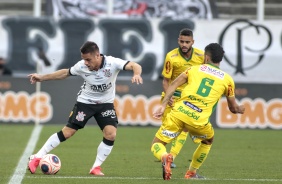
<point>167,68</point>
<point>230,88</point>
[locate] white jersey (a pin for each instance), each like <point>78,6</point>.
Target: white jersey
<point>99,86</point>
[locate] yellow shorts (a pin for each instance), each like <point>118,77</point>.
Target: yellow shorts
<point>172,127</point>
<point>168,108</point>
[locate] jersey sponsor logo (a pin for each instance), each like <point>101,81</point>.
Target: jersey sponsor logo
<point>101,88</point>
<point>107,113</point>
<point>192,97</point>
<point>212,71</point>
<point>107,73</point>
<point>80,116</point>
<point>94,102</point>
<point>194,137</point>
<point>170,134</point>
<point>188,113</point>
<point>192,106</point>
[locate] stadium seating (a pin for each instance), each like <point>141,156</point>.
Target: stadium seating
<point>227,9</point>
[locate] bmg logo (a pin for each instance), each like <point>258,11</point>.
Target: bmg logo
<point>255,45</point>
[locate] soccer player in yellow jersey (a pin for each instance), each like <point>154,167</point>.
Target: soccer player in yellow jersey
<point>176,62</point>
<point>206,84</point>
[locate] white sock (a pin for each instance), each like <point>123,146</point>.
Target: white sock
<point>49,145</point>
<point>103,152</point>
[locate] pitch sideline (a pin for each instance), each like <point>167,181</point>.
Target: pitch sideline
<point>152,178</point>
<point>22,164</point>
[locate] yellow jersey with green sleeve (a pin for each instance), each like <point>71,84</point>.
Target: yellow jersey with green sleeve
<point>205,86</point>
<point>176,63</point>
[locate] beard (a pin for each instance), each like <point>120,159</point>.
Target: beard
<point>189,49</point>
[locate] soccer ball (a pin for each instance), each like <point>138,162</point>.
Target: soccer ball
<point>50,164</point>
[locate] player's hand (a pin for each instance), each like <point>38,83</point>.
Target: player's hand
<point>137,78</point>
<point>170,102</point>
<point>158,113</point>
<point>34,77</point>
<point>241,109</point>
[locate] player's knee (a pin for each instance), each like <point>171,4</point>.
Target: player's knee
<point>208,141</point>
<point>110,132</point>
<point>66,133</point>
<point>110,136</point>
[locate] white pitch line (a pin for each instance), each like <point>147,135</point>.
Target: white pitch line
<point>152,178</point>
<point>22,164</point>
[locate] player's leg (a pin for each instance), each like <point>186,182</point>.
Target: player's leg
<point>172,151</point>
<point>170,128</point>
<point>178,142</point>
<point>54,140</point>
<point>206,134</point>
<point>107,121</point>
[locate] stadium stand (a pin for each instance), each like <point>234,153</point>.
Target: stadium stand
<point>18,7</point>
<point>227,9</point>
<point>230,9</point>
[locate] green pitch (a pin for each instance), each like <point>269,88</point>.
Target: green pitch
<point>237,156</point>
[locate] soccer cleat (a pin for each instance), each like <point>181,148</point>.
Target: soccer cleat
<point>96,171</point>
<point>33,163</point>
<point>167,159</point>
<point>172,165</point>
<point>193,175</point>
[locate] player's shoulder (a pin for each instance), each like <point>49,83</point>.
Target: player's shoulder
<point>111,58</point>
<point>228,76</point>
<point>216,71</point>
<point>198,52</point>
<point>80,64</point>
<point>173,53</point>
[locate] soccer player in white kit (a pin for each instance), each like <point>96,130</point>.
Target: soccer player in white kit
<point>95,99</point>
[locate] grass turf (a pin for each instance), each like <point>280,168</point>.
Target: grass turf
<point>237,156</point>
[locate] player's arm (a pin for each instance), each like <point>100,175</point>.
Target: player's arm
<point>234,107</point>
<point>57,75</point>
<point>181,79</point>
<point>137,70</point>
<point>165,83</point>
<point>231,100</point>
<point>167,71</point>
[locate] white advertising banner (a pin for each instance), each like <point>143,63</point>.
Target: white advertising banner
<point>253,50</point>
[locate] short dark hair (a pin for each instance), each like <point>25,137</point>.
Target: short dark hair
<point>215,51</point>
<point>89,47</point>
<point>186,32</point>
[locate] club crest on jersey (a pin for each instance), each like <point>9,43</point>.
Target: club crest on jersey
<point>230,91</point>
<point>80,116</point>
<point>167,67</point>
<point>107,73</point>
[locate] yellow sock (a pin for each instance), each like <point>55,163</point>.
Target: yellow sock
<point>178,143</point>
<point>199,156</point>
<point>158,149</point>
